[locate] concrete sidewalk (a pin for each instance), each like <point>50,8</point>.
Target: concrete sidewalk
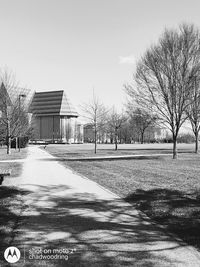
<point>94,227</point>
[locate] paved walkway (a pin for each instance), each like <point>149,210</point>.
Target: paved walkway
<point>92,226</point>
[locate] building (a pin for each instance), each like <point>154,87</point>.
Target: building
<point>54,119</point>
<point>89,134</point>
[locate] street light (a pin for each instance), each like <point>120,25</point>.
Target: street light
<point>19,140</point>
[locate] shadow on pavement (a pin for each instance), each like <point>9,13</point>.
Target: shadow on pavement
<point>10,216</point>
<point>95,230</point>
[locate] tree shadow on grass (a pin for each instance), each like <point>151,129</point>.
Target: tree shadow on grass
<point>104,158</point>
<point>99,232</point>
<point>178,212</point>
<point>162,150</point>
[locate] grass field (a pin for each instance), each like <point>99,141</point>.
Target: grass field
<point>15,154</point>
<point>87,150</point>
<point>15,167</point>
<point>167,190</point>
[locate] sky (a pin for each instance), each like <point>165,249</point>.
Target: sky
<point>84,45</point>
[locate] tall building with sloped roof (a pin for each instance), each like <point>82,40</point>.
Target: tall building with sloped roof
<point>54,118</point>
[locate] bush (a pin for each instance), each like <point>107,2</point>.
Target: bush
<point>23,142</point>
<point>167,140</point>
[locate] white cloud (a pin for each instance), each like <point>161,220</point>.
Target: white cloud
<point>127,59</point>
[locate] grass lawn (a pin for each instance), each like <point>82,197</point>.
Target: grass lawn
<point>87,150</point>
<point>167,190</point>
<point>15,154</point>
<point>15,167</point>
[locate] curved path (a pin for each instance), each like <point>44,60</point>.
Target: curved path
<point>67,216</point>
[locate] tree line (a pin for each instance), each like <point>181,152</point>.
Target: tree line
<point>109,125</point>
<point>165,88</point>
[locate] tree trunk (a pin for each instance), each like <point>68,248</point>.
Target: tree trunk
<point>8,137</point>
<point>115,143</point>
<point>175,147</point>
<point>95,139</point>
<point>115,139</point>
<point>142,138</point>
<point>196,142</point>
<point>19,143</point>
<point>95,147</point>
<point>16,143</point>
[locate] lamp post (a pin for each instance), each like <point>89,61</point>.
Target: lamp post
<point>1,113</point>
<point>19,140</point>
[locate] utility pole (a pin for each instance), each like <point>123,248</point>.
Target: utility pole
<point>8,130</point>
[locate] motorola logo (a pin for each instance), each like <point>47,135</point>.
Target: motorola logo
<point>12,254</point>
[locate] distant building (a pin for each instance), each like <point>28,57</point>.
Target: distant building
<point>161,133</point>
<point>54,119</point>
<point>89,134</point>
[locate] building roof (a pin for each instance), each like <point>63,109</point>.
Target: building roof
<point>4,97</point>
<point>52,103</point>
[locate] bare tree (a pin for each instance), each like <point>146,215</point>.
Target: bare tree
<point>115,122</point>
<point>95,112</point>
<point>165,77</point>
<point>193,112</point>
<point>5,106</point>
<point>141,121</point>
<point>14,118</point>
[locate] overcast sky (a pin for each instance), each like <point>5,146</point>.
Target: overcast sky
<point>78,45</point>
